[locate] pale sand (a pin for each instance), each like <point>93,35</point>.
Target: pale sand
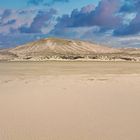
<point>70,101</point>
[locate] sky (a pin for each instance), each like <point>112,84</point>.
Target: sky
<point>115,23</point>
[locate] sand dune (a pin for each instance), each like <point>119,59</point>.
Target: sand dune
<point>69,101</point>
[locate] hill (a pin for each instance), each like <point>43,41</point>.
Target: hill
<point>56,48</point>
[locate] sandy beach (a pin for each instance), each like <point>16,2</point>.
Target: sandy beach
<point>69,100</point>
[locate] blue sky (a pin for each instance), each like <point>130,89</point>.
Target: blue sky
<point>62,6</point>
<point>23,3</point>
<point>111,22</point>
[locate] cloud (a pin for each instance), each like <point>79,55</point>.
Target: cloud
<point>127,6</point>
<point>39,22</point>
<point>25,21</point>
<point>13,19</point>
<point>6,13</point>
<point>103,16</point>
<point>133,27</point>
<point>24,24</point>
<point>109,18</point>
<point>10,22</point>
<point>117,17</point>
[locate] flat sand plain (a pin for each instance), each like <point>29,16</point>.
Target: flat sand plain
<point>69,101</point>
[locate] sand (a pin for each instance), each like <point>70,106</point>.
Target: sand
<point>69,101</point>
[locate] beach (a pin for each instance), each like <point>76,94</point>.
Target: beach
<point>57,100</point>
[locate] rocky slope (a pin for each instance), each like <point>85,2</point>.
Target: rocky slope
<point>55,48</point>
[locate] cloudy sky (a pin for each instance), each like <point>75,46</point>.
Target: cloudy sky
<point>112,22</point>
